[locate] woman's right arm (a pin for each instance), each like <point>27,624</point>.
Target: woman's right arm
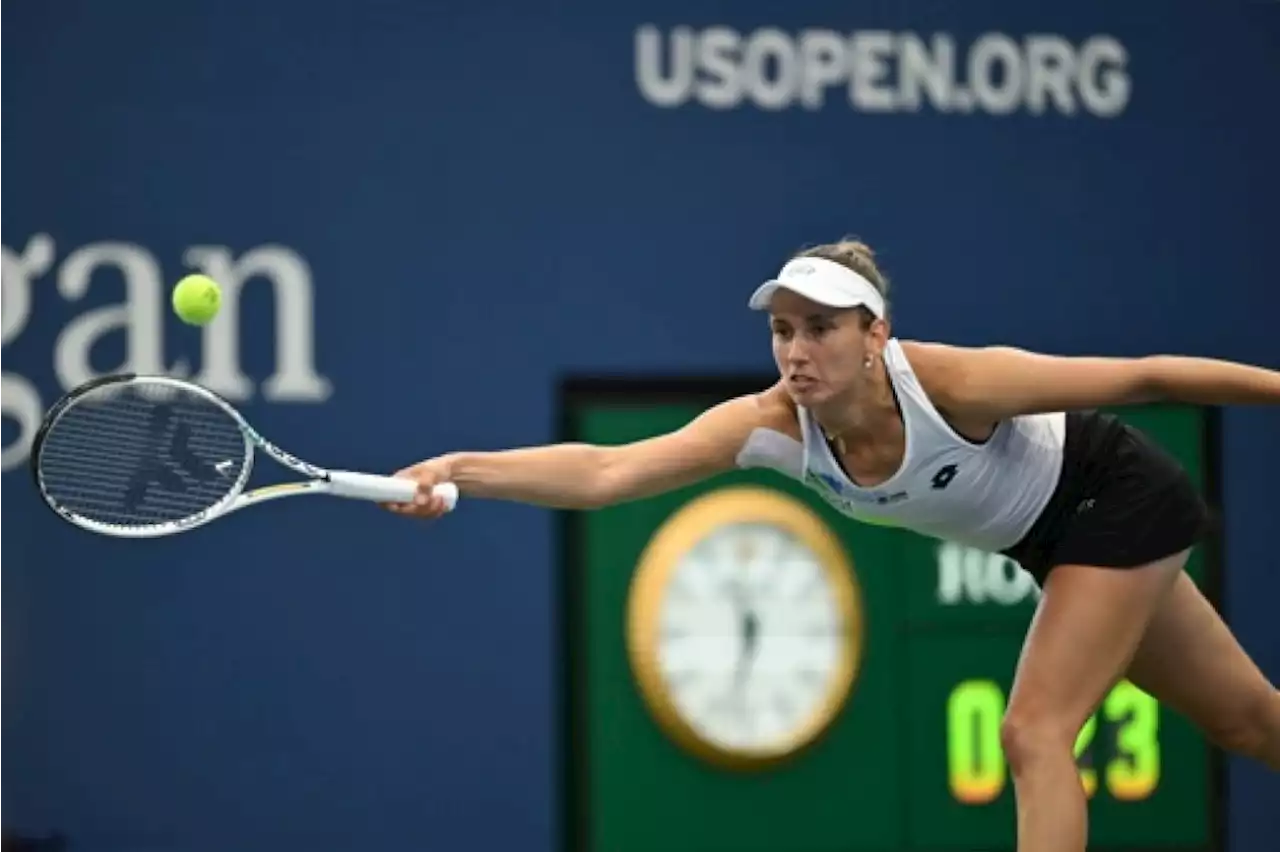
<point>589,476</point>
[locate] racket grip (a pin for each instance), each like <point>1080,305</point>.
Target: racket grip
<point>385,489</point>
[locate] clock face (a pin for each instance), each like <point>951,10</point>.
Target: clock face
<point>745,626</point>
<point>752,640</point>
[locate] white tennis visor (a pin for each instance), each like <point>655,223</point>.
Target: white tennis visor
<point>823,281</point>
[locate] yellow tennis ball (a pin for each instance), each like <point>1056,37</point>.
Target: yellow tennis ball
<point>196,299</point>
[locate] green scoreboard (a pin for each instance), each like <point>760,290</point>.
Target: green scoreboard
<point>911,759</point>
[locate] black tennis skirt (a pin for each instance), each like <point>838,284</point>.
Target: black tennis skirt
<point>1122,501</point>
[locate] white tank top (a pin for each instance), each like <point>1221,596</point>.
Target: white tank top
<point>983,495</point>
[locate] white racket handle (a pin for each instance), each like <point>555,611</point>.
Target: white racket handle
<point>385,489</point>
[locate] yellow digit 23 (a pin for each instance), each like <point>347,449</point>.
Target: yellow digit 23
<point>976,770</point>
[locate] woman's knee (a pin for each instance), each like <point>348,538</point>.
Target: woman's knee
<point>1030,738</point>
<point>1251,727</point>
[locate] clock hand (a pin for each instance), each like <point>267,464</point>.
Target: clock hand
<point>750,627</point>
<point>750,632</point>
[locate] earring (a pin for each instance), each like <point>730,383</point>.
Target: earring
<point>868,361</point>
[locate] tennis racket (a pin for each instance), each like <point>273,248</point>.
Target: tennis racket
<point>137,456</point>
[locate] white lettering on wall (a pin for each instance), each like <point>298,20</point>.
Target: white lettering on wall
<point>140,318</point>
<point>882,71</point>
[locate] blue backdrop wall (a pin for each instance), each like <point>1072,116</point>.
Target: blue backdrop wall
<point>437,211</point>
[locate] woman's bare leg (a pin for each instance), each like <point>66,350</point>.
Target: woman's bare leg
<point>1085,632</point>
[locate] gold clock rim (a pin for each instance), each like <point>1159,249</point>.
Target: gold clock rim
<point>683,529</point>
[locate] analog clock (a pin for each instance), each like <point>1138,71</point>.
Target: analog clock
<point>744,626</point>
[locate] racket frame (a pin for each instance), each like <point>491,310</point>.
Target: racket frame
<point>320,481</point>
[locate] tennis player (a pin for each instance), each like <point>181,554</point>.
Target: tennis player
<point>996,448</point>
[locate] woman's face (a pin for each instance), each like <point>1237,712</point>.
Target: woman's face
<point>820,351</point>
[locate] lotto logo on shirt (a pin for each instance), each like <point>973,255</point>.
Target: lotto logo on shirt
<point>878,71</point>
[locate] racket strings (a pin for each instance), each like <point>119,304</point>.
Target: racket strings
<point>134,456</point>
